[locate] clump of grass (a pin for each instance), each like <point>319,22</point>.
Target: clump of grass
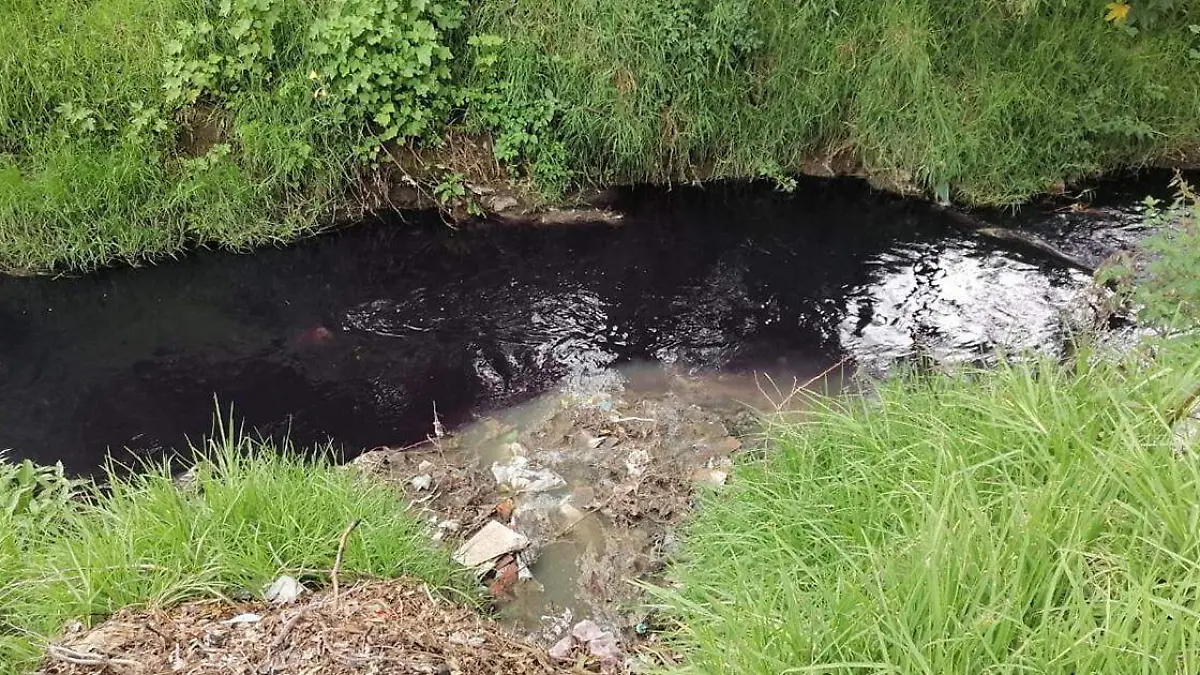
<point>1032,518</point>
<point>253,512</point>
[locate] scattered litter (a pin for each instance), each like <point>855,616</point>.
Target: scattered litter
<point>422,482</point>
<point>241,619</point>
<point>394,627</point>
<point>283,590</point>
<point>517,476</point>
<point>493,541</point>
<point>636,462</point>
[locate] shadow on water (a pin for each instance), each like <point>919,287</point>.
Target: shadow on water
<point>355,336</point>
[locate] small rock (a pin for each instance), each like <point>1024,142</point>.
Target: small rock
<point>449,526</point>
<point>583,496</point>
<point>502,203</point>
<point>422,482</point>
<point>587,630</point>
<point>491,542</point>
<point>715,477</point>
<point>727,445</point>
<point>570,514</point>
<point>606,649</point>
<point>283,590</point>
<point>425,466</point>
<point>561,651</point>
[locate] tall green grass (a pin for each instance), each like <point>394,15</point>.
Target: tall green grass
<point>1027,519</point>
<point>988,100</point>
<point>251,514</point>
<point>86,181</point>
<point>985,100</point>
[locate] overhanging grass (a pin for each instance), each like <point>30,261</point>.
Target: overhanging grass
<point>989,99</point>
<point>1024,519</point>
<point>250,515</point>
<point>986,100</point>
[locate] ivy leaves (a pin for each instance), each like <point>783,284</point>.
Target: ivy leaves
<point>388,61</point>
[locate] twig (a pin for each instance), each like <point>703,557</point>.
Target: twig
<point>337,562</point>
<point>287,628</point>
<point>68,655</point>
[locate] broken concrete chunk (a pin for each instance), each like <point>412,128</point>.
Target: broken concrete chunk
<point>491,542</point>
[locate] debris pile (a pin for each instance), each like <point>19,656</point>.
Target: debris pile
<point>559,506</point>
<point>394,627</point>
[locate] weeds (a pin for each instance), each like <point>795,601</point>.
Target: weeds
<point>977,101</point>
<point>1026,519</point>
<point>75,551</point>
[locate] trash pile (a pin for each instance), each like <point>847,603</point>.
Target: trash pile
<point>558,506</point>
<point>394,627</point>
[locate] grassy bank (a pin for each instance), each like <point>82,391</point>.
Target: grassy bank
<point>131,129</point>
<point>1036,517</point>
<point>73,552</point>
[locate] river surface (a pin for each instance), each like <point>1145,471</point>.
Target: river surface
<point>355,337</point>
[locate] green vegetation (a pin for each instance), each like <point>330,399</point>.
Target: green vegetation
<point>1036,517</point>
<point>131,129</point>
<point>74,551</point>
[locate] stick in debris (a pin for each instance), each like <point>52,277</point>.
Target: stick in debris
<point>337,562</point>
<point>60,653</point>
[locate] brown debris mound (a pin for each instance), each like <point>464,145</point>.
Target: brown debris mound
<point>379,627</point>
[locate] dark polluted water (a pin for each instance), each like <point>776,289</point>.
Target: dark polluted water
<point>355,337</point>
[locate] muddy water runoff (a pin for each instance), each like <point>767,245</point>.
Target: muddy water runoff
<point>623,357</point>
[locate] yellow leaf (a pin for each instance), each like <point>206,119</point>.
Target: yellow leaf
<point>1118,12</point>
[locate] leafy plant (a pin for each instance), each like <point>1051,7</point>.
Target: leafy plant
<point>521,126</point>
<point>387,63</point>
<point>220,56</point>
<point>32,496</point>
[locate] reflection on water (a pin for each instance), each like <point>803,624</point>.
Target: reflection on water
<point>356,336</point>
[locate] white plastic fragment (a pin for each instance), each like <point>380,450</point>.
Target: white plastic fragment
<point>636,462</point>
<point>518,476</point>
<point>242,619</point>
<point>283,590</point>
